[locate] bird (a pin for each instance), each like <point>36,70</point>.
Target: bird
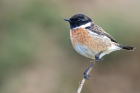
<point>90,40</point>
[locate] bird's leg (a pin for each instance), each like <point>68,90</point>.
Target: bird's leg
<point>86,75</point>
<point>97,56</point>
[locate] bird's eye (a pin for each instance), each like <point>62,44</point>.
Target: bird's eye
<point>78,20</point>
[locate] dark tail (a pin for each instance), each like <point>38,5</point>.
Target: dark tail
<point>126,47</point>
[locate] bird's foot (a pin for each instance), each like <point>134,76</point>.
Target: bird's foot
<point>86,76</point>
<point>97,58</point>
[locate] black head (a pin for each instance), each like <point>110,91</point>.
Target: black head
<point>78,20</point>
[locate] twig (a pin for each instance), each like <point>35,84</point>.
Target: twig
<point>83,81</point>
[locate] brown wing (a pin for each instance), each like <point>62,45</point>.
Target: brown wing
<point>98,30</point>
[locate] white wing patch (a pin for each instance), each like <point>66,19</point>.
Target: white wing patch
<point>95,35</point>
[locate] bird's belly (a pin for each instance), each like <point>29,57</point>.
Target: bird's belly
<point>85,51</point>
<point>86,44</point>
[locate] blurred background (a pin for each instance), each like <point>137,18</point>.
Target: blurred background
<point>36,55</point>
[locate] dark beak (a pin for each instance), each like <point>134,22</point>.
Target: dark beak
<point>67,20</point>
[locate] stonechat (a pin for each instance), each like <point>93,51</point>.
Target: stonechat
<point>90,40</point>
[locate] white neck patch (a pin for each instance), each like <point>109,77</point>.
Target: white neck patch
<point>83,26</point>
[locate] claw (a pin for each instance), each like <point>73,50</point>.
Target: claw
<point>97,56</point>
<point>97,59</point>
<point>86,76</point>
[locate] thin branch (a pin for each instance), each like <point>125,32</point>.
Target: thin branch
<point>83,81</point>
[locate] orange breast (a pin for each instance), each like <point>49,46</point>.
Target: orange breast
<point>82,37</point>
